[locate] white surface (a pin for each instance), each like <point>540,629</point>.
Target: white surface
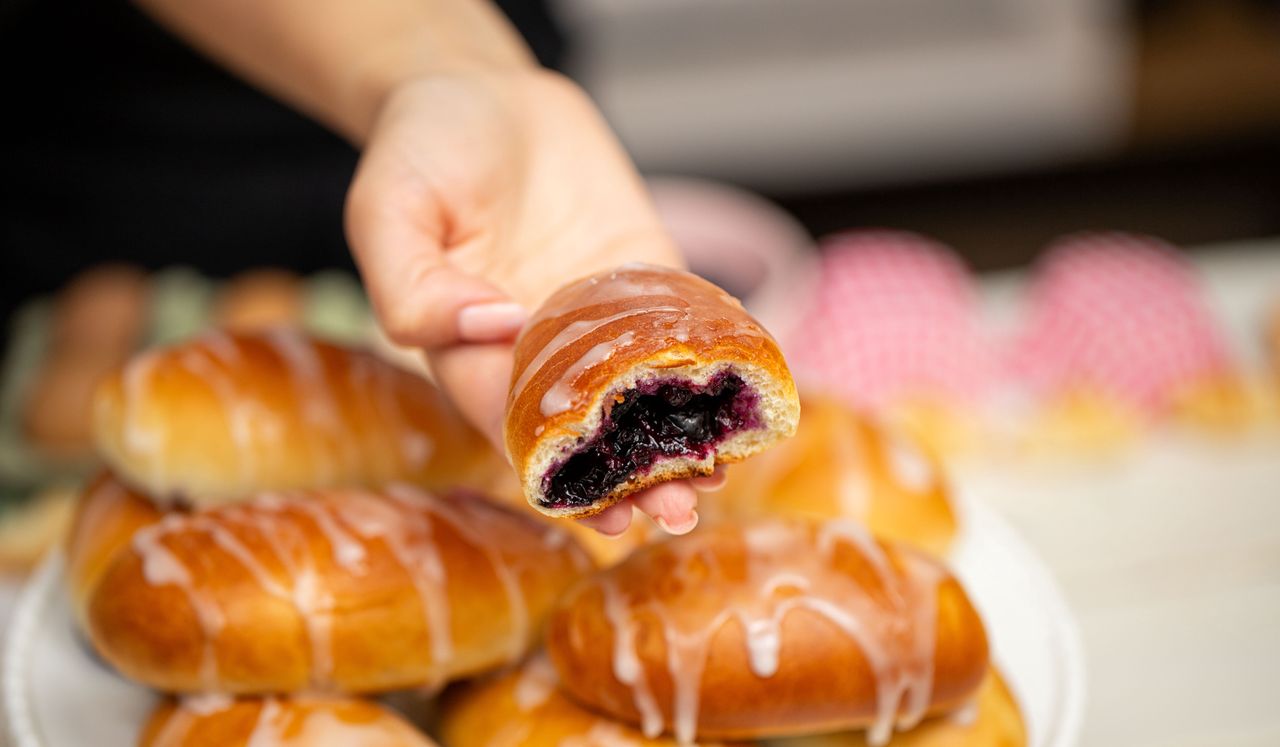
<point>799,93</point>
<point>1169,553</point>
<point>57,695</point>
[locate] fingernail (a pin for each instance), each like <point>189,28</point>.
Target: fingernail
<point>711,483</point>
<point>683,527</point>
<point>491,322</point>
<point>613,534</point>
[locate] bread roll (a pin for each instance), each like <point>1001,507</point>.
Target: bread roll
<point>843,464</point>
<point>260,299</point>
<point>991,720</point>
<point>526,708</point>
<point>56,409</point>
<point>774,628</point>
<point>335,591</point>
<point>102,311</point>
<point>638,376</point>
<point>107,515</point>
<point>223,415</point>
<point>304,721</point>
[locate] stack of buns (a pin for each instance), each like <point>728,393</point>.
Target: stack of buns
<point>265,531</point>
<point>288,529</point>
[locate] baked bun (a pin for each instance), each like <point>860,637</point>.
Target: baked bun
<point>333,591</point>
<point>260,299</point>
<point>526,708</point>
<point>102,311</point>
<point>638,376</point>
<point>773,628</point>
<point>842,463</point>
<point>993,719</point>
<point>106,516</point>
<point>225,415</point>
<point>304,721</point>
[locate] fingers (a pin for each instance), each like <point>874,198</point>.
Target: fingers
<point>712,482</point>
<point>397,230</point>
<point>672,505</point>
<point>476,378</point>
<point>612,521</point>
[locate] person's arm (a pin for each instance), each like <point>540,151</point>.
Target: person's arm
<point>338,60</point>
<point>485,183</point>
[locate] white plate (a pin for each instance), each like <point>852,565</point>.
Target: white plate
<point>56,694</point>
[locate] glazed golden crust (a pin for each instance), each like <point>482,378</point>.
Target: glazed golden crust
<point>310,721</point>
<point>595,337</point>
<point>994,721</point>
<point>339,591</point>
<point>224,415</point>
<point>526,708</point>
<point>744,632</point>
<point>107,515</point>
<point>841,463</point>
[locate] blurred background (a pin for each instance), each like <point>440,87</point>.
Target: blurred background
<point>993,125</point>
<point>1138,454</point>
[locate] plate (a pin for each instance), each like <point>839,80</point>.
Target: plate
<point>58,694</point>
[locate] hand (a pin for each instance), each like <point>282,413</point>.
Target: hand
<point>478,195</point>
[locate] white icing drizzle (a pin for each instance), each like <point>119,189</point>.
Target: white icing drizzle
<point>161,567</point>
<point>222,345</point>
<point>239,410</point>
<point>535,684</point>
<point>177,727</point>
<point>140,439</point>
<point>404,520</point>
<point>414,447</point>
<point>559,397</point>
<point>912,469</point>
<point>266,731</point>
<point>602,734</point>
<point>853,483</point>
<point>965,716</point>
<point>348,552</point>
<point>575,331</point>
<point>626,663</point>
<point>315,399</point>
<point>407,531</point>
<point>892,621</point>
<point>477,530</point>
<point>207,704</point>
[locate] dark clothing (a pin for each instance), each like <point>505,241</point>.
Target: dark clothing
<point>117,142</point>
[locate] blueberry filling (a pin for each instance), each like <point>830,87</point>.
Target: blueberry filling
<point>657,420</point>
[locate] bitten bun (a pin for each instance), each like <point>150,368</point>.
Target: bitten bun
<point>639,376</point>
<point>224,415</point>
<point>526,708</point>
<point>775,628</point>
<point>842,463</point>
<point>305,721</point>
<point>333,591</point>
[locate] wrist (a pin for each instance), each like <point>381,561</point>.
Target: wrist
<point>398,67</point>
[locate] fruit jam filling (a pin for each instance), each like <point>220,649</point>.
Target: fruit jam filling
<point>657,420</point>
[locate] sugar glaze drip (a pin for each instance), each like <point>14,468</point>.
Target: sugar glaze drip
<point>560,396</point>
<point>670,313</point>
<point>892,621</point>
<point>254,423</point>
<point>268,538</point>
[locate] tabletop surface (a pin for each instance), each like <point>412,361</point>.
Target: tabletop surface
<point>1169,554</point>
